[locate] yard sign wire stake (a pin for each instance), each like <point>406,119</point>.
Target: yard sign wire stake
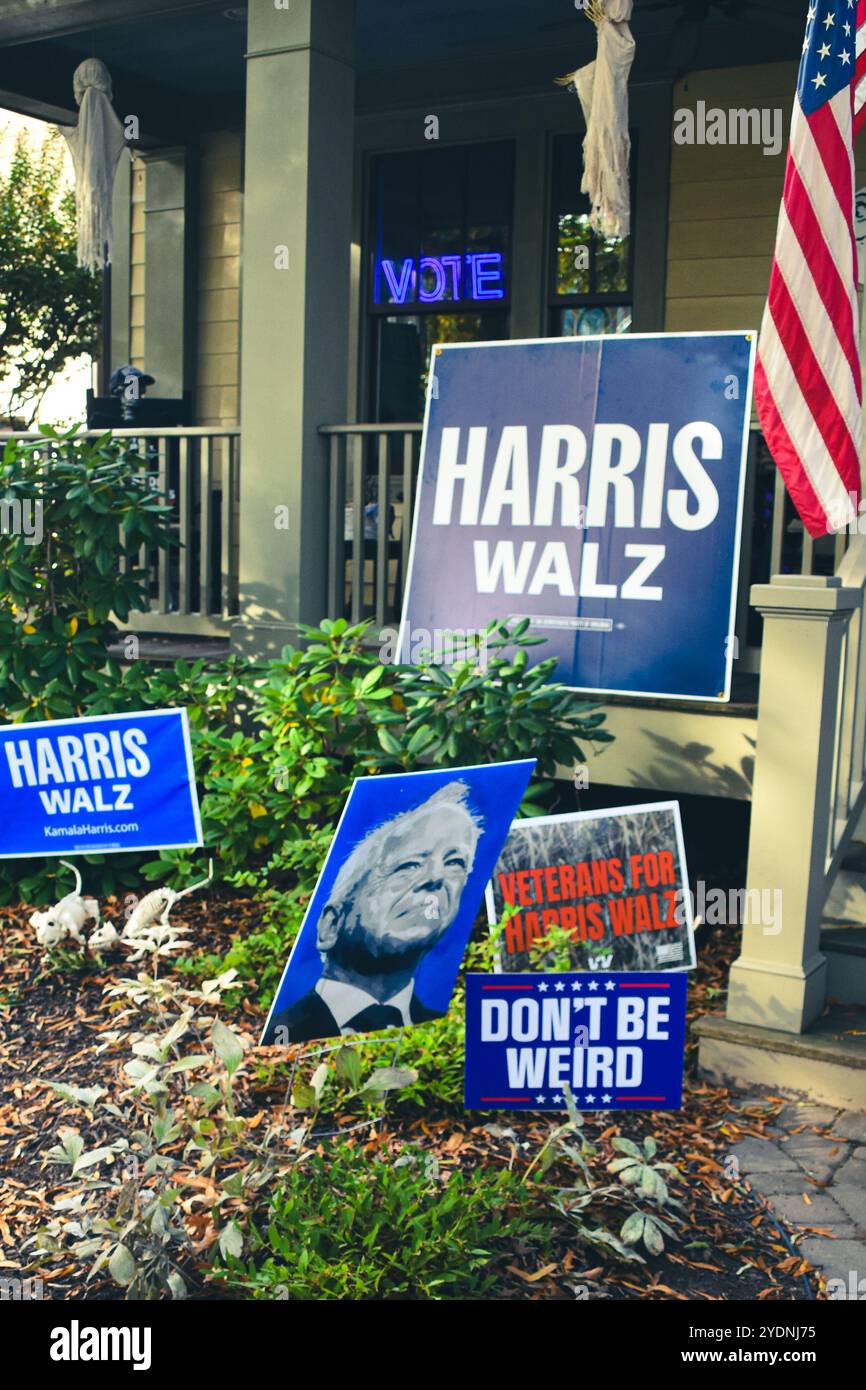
<point>309,1056</point>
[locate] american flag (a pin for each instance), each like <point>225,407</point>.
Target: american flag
<point>807,380</point>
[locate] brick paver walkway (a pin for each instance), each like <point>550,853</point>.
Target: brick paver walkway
<point>811,1169</point>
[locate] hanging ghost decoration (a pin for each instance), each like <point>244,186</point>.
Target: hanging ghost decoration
<point>602,87</point>
<point>96,144</point>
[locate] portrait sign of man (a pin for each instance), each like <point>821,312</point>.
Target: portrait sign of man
<point>393,899</point>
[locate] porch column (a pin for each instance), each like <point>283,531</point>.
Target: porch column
<point>298,166</point>
<point>778,981</point>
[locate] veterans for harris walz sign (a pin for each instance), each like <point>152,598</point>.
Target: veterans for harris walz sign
<point>609,887</point>
<point>595,487</point>
<point>109,782</point>
<point>617,1040</point>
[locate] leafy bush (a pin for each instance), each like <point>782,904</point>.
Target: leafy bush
<point>88,512</point>
<point>276,745</point>
<point>332,711</point>
<point>49,305</point>
<point>348,1224</point>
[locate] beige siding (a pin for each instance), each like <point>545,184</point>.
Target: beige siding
<point>136,285</point>
<point>219,280</point>
<point>724,202</point>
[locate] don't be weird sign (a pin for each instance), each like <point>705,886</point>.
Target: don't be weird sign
<point>616,1039</point>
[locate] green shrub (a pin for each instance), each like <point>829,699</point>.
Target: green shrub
<point>348,1225</point>
<point>277,745</point>
<point>333,711</point>
<point>62,582</point>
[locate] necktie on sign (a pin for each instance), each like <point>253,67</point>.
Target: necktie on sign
<point>376,1016</point>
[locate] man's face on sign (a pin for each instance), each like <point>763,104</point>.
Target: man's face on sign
<point>411,894</point>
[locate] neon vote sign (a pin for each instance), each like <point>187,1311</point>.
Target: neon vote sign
<point>475,276</point>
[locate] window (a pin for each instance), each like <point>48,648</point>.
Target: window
<point>591,276</point>
<point>439,267</point>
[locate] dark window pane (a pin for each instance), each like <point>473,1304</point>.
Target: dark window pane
<point>403,347</point>
<point>443,235</point>
<point>573,253</point>
<point>584,263</point>
<point>583,319</point>
<point>611,265</point>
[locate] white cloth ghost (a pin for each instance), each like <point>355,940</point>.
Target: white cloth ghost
<point>96,145</point>
<point>602,87</point>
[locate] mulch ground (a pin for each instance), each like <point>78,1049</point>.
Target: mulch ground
<point>53,1026</point>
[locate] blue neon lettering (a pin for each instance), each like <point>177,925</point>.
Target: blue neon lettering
<point>476,276</point>
<point>399,288</point>
<point>434,295</point>
<point>486,267</point>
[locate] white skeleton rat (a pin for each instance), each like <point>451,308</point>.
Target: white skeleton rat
<point>105,936</point>
<point>66,917</point>
<point>156,906</point>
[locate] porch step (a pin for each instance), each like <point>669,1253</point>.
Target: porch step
<point>825,1065</point>
<point>166,650</point>
<point>846,905</point>
<point>843,934</point>
<point>845,951</point>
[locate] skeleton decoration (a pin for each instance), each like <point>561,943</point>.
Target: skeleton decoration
<point>602,87</point>
<point>155,908</point>
<point>65,919</point>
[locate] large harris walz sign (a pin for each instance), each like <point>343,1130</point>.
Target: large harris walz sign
<point>595,486</point>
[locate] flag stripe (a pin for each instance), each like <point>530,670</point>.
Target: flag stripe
<point>817,325</point>
<point>813,387</point>
<point>787,458</point>
<point>809,471</point>
<point>808,378</point>
<point>837,299</point>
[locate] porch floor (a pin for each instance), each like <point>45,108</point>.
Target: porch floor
<point>826,1064</point>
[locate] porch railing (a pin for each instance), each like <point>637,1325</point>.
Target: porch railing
<point>193,587</point>
<point>372,474</point>
<point>368,545</point>
<point>810,786</point>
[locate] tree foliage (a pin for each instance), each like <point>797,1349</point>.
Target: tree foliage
<point>49,305</point>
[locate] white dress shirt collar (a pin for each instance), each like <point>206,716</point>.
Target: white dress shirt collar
<point>345,1001</point>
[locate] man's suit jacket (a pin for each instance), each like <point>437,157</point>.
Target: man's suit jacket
<point>310,1018</point>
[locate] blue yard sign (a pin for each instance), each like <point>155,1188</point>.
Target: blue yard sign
<point>617,1039</point>
<point>386,927</point>
<point>595,487</point>
<point>109,782</point>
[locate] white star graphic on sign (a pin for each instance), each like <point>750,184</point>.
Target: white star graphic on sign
<point>560,986</point>
<point>593,984</point>
<point>846,57</point>
<point>542,989</point>
<point>847,27</point>
<point>576,984</point>
<point>557,1100</point>
<point>819,80</point>
<point>540,1099</point>
<point>610,985</point>
<point>590,1100</point>
<point>606,1100</point>
<point>829,21</point>
<point>824,50</point>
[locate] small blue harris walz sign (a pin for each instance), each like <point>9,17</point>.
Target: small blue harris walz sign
<point>108,782</point>
<point>617,1039</point>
